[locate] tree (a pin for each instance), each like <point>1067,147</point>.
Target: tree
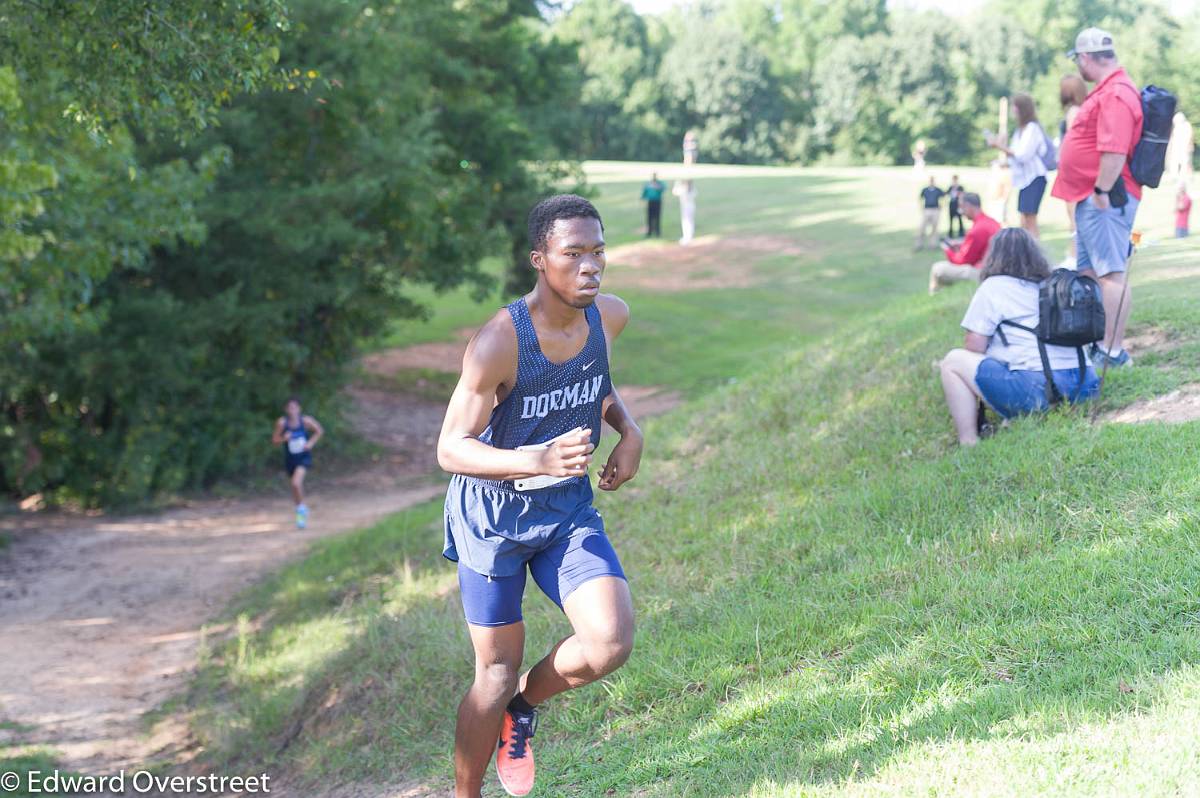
<point>413,154</point>
<point>880,94</point>
<point>75,82</point>
<point>619,109</point>
<point>719,85</point>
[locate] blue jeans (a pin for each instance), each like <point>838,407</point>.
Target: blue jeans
<point>1017,393</point>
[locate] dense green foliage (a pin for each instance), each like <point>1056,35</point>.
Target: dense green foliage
<point>847,81</point>
<point>79,87</point>
<point>163,298</point>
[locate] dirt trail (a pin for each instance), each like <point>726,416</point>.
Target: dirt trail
<point>101,617</point>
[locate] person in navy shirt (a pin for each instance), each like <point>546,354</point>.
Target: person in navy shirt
<point>518,438</point>
<point>297,434</point>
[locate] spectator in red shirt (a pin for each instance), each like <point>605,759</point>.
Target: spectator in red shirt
<point>1093,171</point>
<point>1183,209</point>
<point>963,262</point>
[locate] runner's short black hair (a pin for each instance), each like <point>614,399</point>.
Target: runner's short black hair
<point>971,198</point>
<point>550,210</point>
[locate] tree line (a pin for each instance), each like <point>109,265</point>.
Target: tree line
<point>207,205</point>
<point>842,81</point>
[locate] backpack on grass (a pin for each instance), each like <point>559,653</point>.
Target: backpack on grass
<point>1070,313</point>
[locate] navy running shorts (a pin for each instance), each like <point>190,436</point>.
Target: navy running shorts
<point>558,570</point>
<point>496,534</point>
<point>293,461</point>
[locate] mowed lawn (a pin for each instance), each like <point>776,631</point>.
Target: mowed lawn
<point>833,600</point>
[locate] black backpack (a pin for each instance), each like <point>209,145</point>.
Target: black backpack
<point>1150,154</point>
<point>1070,313</point>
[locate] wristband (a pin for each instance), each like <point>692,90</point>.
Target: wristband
<point>1096,190</point>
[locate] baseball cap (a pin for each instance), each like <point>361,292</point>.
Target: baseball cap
<point>1092,40</point>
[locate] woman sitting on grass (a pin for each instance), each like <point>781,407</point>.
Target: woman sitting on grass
<point>1008,377</point>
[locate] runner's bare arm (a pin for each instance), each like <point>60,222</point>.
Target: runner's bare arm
<point>489,368</point>
<point>315,427</point>
<point>277,436</point>
<point>626,457</point>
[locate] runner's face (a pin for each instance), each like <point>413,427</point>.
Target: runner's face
<point>573,261</point>
<point>292,409</point>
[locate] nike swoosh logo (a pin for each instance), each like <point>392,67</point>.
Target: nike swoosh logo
<point>589,365</point>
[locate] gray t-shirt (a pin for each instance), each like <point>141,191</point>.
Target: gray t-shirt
<point>1004,298</point>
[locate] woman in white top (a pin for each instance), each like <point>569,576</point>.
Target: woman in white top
<point>1006,371</point>
<point>1025,153</point>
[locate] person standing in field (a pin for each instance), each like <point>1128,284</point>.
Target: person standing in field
<point>1026,153</point>
<point>1181,148</point>
<point>1093,171</point>
<point>652,193</point>
<point>1072,91</point>
<point>1183,209</point>
<point>297,434</point>
<point>518,437</point>
<point>931,198</point>
<point>918,156</point>
<point>963,261</point>
<point>685,190</point>
<point>691,148</point>
<point>954,194</point>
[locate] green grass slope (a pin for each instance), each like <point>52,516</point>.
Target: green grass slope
<point>832,599</point>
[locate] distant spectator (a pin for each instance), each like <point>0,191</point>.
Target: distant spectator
<point>1008,377</point>
<point>1093,170</point>
<point>931,198</point>
<point>691,147</point>
<point>686,191</point>
<point>652,193</point>
<point>1183,209</point>
<point>1072,91</point>
<point>998,188</point>
<point>963,261</point>
<point>1181,148</point>
<point>954,194</point>
<point>1025,151</point>
<point>918,156</point>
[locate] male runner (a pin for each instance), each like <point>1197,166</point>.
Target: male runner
<point>298,434</point>
<point>527,412</point>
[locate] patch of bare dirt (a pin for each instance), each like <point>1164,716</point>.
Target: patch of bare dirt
<point>439,356</point>
<point>1154,340</point>
<point>1175,407</point>
<point>707,262</point>
<point>405,426</point>
<point>644,401</point>
<point>102,616</point>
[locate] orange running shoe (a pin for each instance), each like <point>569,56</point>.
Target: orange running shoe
<point>514,756</point>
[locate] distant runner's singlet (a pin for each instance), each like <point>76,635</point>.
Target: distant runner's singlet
<point>297,438</point>
<point>551,399</point>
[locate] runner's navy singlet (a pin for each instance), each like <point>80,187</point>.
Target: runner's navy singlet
<point>551,399</point>
<point>492,528</point>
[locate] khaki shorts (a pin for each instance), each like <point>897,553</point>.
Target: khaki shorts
<point>944,272</point>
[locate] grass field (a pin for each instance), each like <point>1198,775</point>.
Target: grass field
<point>833,600</point>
